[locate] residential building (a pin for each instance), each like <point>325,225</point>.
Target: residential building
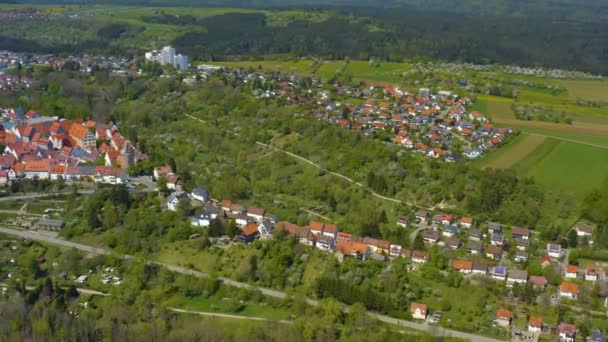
<point>568,290</point>
<point>535,324</point>
<point>521,257</point>
<point>200,194</point>
<point>566,332</point>
<point>462,266</point>
<point>515,276</point>
<point>499,272</point>
<point>571,272</point>
<point>420,257</point>
<point>591,274</point>
<point>174,199</point>
<point>266,228</point>
<point>256,214</point>
<point>538,282</point>
<point>466,222</point>
<point>480,267</point>
<point>554,250</point>
<point>494,252</point>
<point>248,233</point>
<point>474,247</point>
<point>430,236</point>
<point>520,233</point>
<point>504,317</point>
<point>418,311</point>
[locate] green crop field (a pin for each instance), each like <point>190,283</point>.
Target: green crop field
<point>359,70</point>
<point>512,153</point>
<point>553,154</point>
<point>587,90</point>
<point>572,167</point>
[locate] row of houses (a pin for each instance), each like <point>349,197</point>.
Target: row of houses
<point>40,147</point>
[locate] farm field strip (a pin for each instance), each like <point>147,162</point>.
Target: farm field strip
<point>571,166</point>
<point>515,151</point>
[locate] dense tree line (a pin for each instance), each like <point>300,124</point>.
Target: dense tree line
<point>563,39</point>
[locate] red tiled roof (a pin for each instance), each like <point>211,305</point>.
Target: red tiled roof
<point>569,287</point>
<point>536,322</point>
<point>78,131</point>
<point>250,229</point>
<point>415,306</point>
<point>37,166</point>
<point>504,314</point>
<point>462,264</point>
<point>350,247</point>
<point>316,225</point>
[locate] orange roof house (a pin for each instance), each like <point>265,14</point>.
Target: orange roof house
<point>535,322</point>
<point>418,310</point>
<point>464,266</point>
<point>504,317</point>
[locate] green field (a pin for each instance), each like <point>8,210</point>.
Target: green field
<point>588,90</point>
<point>512,153</point>
<point>573,167</point>
<point>363,70</point>
<point>565,157</point>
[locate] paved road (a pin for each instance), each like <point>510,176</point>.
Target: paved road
<point>435,330</point>
<point>215,314</point>
<point>38,195</point>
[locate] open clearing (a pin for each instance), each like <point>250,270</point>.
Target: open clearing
<point>513,152</point>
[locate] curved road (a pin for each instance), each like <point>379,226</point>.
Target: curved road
<point>435,330</point>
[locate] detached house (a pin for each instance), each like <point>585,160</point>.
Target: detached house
<point>256,214</point>
<point>480,268</point>
<point>200,194</point>
<point>395,250</point>
<point>248,233</point>
<point>422,215</point>
<point>494,252</point>
<point>430,236</point>
<point>568,290</point>
<point>420,257</point>
<point>418,310</point>
<point>538,282</point>
<point>266,228</point>
<point>520,233</point>
<point>566,332</point>
<point>571,272</point>
<point>466,222</point>
<point>517,277</point>
<point>554,250</point>
<point>499,272</point>
<point>504,317</point>
<point>174,199</point>
<point>584,230</point>
<point>591,274</point>
<point>462,266</point>
<point>535,324</point>
<point>474,247</point>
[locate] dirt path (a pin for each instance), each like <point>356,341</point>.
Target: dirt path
<point>339,175</point>
<point>215,314</point>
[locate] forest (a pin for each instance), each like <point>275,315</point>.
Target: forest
<point>561,40</point>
